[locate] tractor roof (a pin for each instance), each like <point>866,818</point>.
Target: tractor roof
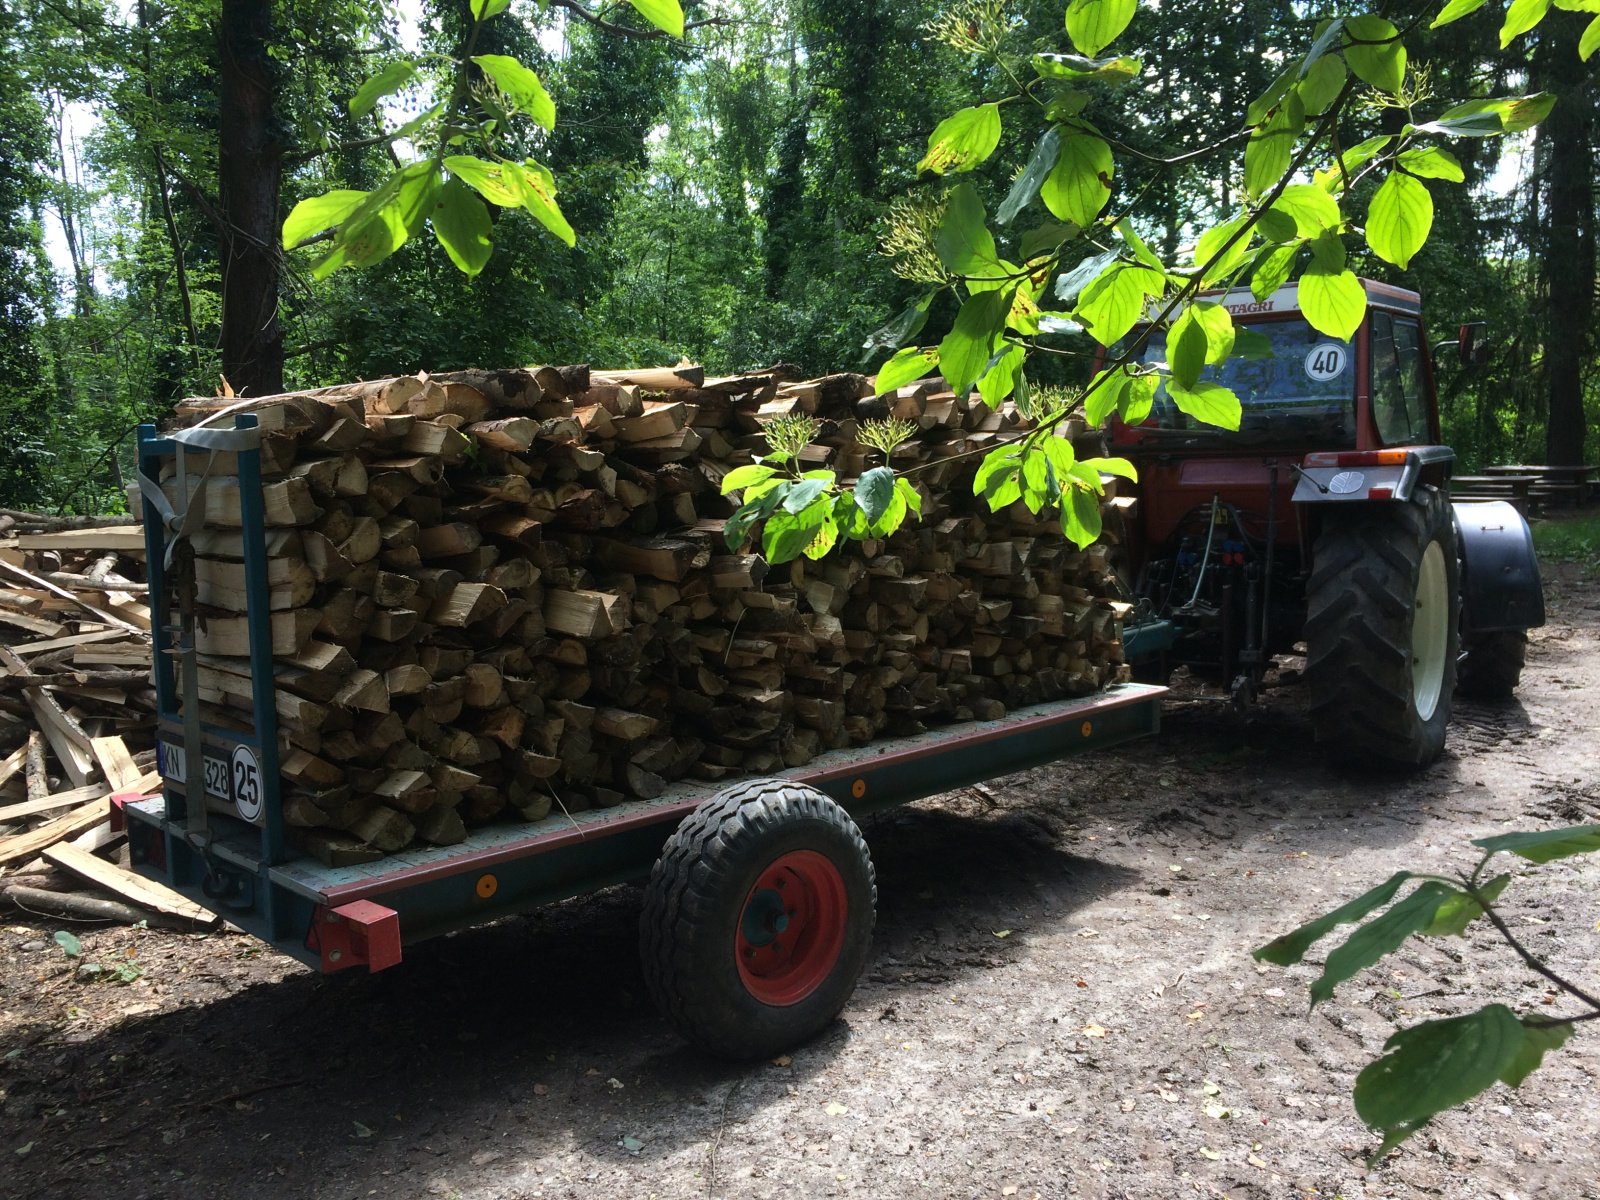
<point>1240,302</point>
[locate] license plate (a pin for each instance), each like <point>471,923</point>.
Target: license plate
<point>235,780</point>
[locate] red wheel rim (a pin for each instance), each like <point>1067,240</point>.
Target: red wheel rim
<point>791,929</point>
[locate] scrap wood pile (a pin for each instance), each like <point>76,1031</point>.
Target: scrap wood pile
<point>76,716</point>
<point>498,593</point>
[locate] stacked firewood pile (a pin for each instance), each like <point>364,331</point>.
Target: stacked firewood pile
<point>498,594</point>
<point>76,716</point>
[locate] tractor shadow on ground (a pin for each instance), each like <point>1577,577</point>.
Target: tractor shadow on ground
<point>533,1038</point>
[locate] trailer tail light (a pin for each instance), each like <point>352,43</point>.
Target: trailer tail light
<point>359,934</point>
<point>1380,493</point>
<point>1358,458</point>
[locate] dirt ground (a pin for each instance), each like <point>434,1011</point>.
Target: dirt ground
<point>1060,1002</point>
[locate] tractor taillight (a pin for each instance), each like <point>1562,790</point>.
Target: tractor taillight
<point>1357,458</point>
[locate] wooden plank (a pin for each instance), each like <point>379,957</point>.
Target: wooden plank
<point>110,618</point>
<point>123,538</point>
<point>64,643</point>
<point>112,755</point>
<point>66,736</point>
<point>32,808</point>
<point>37,626</point>
<point>20,847</point>
<point>136,889</point>
<point>12,765</point>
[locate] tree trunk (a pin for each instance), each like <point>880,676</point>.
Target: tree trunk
<point>1567,156</point>
<point>250,165</point>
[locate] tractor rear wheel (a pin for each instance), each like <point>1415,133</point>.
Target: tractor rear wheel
<point>758,918</point>
<point>1381,631</point>
<point>1491,664</point>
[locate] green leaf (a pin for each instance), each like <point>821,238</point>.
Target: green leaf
<point>384,221</point>
<point>1076,68</point>
<point>1399,219</point>
<point>907,491</point>
<point>1094,24</point>
<point>1263,105</point>
<point>1590,42</point>
<point>1375,52</point>
<point>1437,1065</point>
<point>1378,937</point>
<point>965,351</point>
<point>385,83</point>
<point>1186,350</point>
<point>1136,403</point>
<point>1115,301</point>
<point>1289,949</point>
<point>1333,179</point>
<point>1039,484</point>
<point>1103,395</point>
<point>737,527</point>
<point>482,10</point>
<point>909,364</point>
<point>1310,207</point>
<point>964,244</point>
<point>1329,36</point>
<point>1522,16</point>
<point>998,480</point>
<point>827,536</point>
<point>1045,238</point>
<point>1079,186</point>
<point>1273,269</point>
<point>1537,1041</point>
<point>786,535</point>
<point>1321,85</point>
<point>1074,281</point>
<point>1333,302</point>
<point>741,477</point>
<point>1547,845</point>
<point>70,945</point>
<point>963,140</point>
<point>1328,253</point>
<point>1026,187</point>
<point>538,188</point>
<point>1271,147</point>
<point>903,328</point>
<point>1455,10</point>
<point>1217,324</point>
<point>316,213</point>
<point>1208,402</point>
<point>1432,162</point>
<point>488,179</point>
<point>519,85</point>
<point>1112,466</point>
<point>1080,516</point>
<point>1136,243</point>
<point>1487,118</point>
<point>874,490</point>
<point>803,493</point>
<point>665,15</point>
<point>1000,379</point>
<point>1210,244</point>
<point>1251,344</point>
<point>1460,910</point>
<point>461,225</point>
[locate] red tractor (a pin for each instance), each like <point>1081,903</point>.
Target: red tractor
<point>1325,519</point>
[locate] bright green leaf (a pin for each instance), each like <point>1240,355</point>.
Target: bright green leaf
<point>1384,933</point>
<point>519,85</point>
<point>1455,10</point>
<point>1186,350</point>
<point>1333,302</point>
<point>461,225</point>
<point>1486,118</point>
<point>1112,466</point>
<point>1215,242</point>
<point>826,538</point>
<point>1522,16</point>
<point>998,480</point>
<point>1460,909</point>
<point>1322,85</point>
<point>1000,380</point>
<point>964,244</point>
<point>70,945</point>
<point>1137,244</point>
<point>786,535</point>
<point>1432,162</point>
<point>1073,67</point>
<point>1095,24</point>
<point>1590,42</point>
<point>1045,238</point>
<point>874,490</point>
<point>1437,1065</point>
<point>1208,402</point>
<point>966,349</point>
<point>902,329</point>
<point>742,477</point>
<point>1135,404</point>
<point>482,10</point>
<point>1273,269</point>
<point>907,491</point>
<point>487,178</point>
<point>1116,300</point>
<point>538,189</point>
<point>665,15</point>
<point>1103,395</point>
<point>1547,845</point>
<point>1039,484</point>
<point>1271,147</point>
<point>316,213</point>
<point>1333,179</point>
<point>1040,163</point>
<point>1375,53</point>
<point>1079,186</point>
<point>385,83</point>
<point>1399,219</point>
<point>802,494</point>
<point>1080,516</point>
<point>1262,106</point>
<point>912,363</point>
<point>963,140</point>
<point>1311,209</point>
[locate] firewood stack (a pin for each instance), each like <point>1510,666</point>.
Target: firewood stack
<point>499,593</point>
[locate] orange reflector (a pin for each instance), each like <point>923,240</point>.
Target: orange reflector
<point>1087,728</point>
<point>858,788</point>
<point>488,885</point>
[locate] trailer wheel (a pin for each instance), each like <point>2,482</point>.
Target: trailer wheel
<point>1381,631</point>
<point>1491,664</point>
<point>758,918</point>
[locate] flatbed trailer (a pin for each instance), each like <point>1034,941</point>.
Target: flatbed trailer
<point>760,903</point>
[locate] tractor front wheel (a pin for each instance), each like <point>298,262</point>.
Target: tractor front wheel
<point>1381,631</point>
<point>758,918</point>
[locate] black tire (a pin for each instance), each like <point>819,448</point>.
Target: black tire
<point>1491,664</point>
<point>699,908</point>
<point>1379,679</point>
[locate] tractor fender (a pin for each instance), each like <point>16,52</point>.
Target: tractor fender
<point>1500,585</point>
<point>1366,476</point>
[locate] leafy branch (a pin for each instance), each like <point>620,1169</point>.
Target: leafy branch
<point>1437,1065</point>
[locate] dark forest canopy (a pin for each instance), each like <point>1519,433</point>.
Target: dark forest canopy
<point>732,196</point>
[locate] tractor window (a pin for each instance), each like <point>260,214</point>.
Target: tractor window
<point>1398,403</point>
<point>1302,393</point>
